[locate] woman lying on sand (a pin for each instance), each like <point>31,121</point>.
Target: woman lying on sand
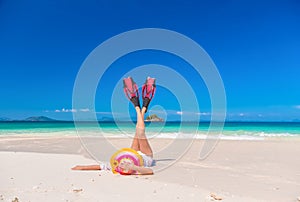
<point>140,142</point>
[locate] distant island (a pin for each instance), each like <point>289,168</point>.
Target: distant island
<point>31,119</point>
<point>4,119</point>
<point>39,118</point>
<point>154,118</point>
<point>150,118</point>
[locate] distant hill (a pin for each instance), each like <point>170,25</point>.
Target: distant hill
<point>4,119</point>
<point>38,118</point>
<point>32,118</point>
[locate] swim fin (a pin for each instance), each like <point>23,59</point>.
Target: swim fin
<point>131,91</point>
<point>148,91</point>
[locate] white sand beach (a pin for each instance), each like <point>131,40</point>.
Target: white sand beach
<point>38,169</point>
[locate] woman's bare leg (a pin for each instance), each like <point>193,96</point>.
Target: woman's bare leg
<point>135,142</point>
<point>88,167</point>
<point>140,141</point>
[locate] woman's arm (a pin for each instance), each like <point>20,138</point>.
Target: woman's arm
<point>140,170</point>
<point>88,167</point>
<point>143,170</point>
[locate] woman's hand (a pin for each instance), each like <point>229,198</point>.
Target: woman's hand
<point>127,165</point>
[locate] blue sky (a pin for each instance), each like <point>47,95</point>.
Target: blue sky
<point>254,44</point>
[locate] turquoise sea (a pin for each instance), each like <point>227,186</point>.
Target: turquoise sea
<point>231,130</point>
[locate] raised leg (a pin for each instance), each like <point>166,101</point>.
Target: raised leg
<point>140,141</point>
<point>135,142</point>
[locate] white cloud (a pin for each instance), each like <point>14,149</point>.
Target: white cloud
<point>85,110</point>
<point>188,113</point>
<point>297,106</point>
<point>68,110</point>
<point>241,114</point>
<point>203,113</point>
<point>65,110</point>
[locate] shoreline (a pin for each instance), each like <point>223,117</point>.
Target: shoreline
<point>235,170</point>
<point>169,135</point>
<point>16,142</point>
